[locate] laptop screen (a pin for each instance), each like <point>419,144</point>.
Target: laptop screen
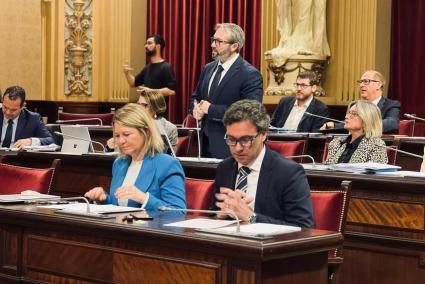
<point>76,139</point>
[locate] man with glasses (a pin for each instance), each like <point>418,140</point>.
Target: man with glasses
<point>229,78</point>
<point>158,75</point>
<point>257,184</point>
<point>290,112</point>
<point>19,126</point>
<point>371,87</point>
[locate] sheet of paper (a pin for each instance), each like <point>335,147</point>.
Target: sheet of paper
<point>94,208</point>
<point>261,229</point>
<point>202,223</point>
<point>201,160</point>
<point>403,174</point>
<point>27,195</point>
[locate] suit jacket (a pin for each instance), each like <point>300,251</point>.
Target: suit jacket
<point>30,125</point>
<point>307,123</point>
<point>390,112</point>
<point>161,175</point>
<point>369,150</point>
<point>241,81</point>
<point>283,193</point>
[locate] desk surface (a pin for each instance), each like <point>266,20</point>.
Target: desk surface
<point>38,244</point>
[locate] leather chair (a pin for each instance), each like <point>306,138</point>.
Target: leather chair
<point>288,148</point>
<point>15,179</point>
<point>407,127</point>
<point>199,193</point>
<point>330,208</point>
<point>85,118</point>
<point>189,121</point>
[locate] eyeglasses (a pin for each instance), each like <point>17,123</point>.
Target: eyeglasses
<point>366,81</point>
<point>244,141</point>
<point>218,41</point>
<point>301,86</point>
<point>352,113</point>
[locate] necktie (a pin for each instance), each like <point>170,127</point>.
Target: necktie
<point>242,182</point>
<point>215,81</point>
<point>8,137</point>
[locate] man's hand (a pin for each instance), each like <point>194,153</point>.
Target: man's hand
<point>22,142</point>
<point>126,68</point>
<point>204,106</point>
<point>142,89</point>
<point>197,113</point>
<point>328,125</point>
<point>111,143</point>
<point>236,202</point>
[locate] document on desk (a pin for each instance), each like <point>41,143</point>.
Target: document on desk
<point>26,196</point>
<point>201,160</point>
<point>94,208</point>
<point>364,167</point>
<point>42,148</point>
<point>202,223</point>
<point>263,229</point>
<point>403,174</point>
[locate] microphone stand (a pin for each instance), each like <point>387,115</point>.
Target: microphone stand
<point>195,102</point>
<point>327,118</point>
<point>81,119</point>
<point>303,156</point>
<point>83,139</point>
<point>411,116</point>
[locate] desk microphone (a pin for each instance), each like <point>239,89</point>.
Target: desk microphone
<point>80,120</point>
<point>324,117</point>
<point>401,151</point>
<point>303,156</point>
<point>230,213</point>
<point>79,138</point>
<point>411,116</point>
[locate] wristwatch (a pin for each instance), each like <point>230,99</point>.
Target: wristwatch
<point>253,218</point>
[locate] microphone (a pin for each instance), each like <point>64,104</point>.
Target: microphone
<point>303,156</point>
<point>324,117</point>
<point>163,133</point>
<point>230,213</point>
<point>401,151</point>
<point>411,116</point>
<point>88,213</point>
<point>81,119</point>
<point>79,138</point>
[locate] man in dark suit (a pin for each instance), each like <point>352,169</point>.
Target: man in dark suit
<point>257,184</point>
<point>371,86</point>
<point>19,126</point>
<point>227,79</point>
<point>290,112</point>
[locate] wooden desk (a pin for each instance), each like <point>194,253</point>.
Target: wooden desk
<point>39,246</point>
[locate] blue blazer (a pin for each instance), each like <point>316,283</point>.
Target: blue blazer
<point>241,81</point>
<point>161,175</point>
<point>283,193</point>
<point>307,123</point>
<point>30,125</point>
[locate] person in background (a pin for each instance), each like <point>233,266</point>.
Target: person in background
<point>258,184</point>
<point>371,87</point>
<point>229,78</point>
<point>19,126</point>
<point>290,112</point>
<point>142,176</point>
<point>154,103</point>
<point>364,144</point>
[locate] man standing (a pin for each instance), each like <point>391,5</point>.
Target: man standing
<point>257,184</point>
<point>229,78</point>
<point>290,112</point>
<point>371,86</point>
<point>158,75</point>
<point>19,126</point>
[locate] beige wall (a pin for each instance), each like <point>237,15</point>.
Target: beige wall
<point>20,46</point>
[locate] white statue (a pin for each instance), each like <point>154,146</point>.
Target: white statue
<point>302,28</point>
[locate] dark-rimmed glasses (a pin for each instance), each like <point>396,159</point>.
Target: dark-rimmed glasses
<point>301,86</point>
<point>365,81</point>
<point>244,141</point>
<point>218,41</point>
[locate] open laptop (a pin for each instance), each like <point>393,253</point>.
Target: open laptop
<point>79,143</point>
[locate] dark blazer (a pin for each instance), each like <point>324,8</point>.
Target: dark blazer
<point>242,81</point>
<point>30,125</point>
<point>307,123</point>
<point>283,193</point>
<point>390,112</point>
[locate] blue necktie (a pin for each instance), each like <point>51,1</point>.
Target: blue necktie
<point>242,182</point>
<point>215,81</point>
<point>8,137</point>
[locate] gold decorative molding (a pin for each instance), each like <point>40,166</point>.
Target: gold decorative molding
<point>78,47</point>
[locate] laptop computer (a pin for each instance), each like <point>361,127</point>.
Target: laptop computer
<point>76,139</point>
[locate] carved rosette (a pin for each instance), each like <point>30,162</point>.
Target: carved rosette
<point>78,47</point>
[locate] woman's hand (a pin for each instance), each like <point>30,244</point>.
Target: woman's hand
<point>96,194</point>
<point>131,192</point>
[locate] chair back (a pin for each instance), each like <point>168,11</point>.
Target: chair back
<point>407,127</point>
<point>189,121</point>
<point>199,193</point>
<point>15,179</point>
<point>330,210</point>
<point>288,148</point>
<point>187,143</point>
<point>325,152</point>
<point>183,146</point>
<point>85,118</point>
<point>392,155</point>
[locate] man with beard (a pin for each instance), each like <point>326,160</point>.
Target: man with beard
<point>229,78</point>
<point>158,75</point>
<point>371,86</point>
<point>290,113</point>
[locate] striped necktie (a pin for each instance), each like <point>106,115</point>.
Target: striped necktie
<point>242,182</point>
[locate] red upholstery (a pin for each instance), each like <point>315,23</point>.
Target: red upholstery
<point>183,146</point>
<point>105,117</point>
<point>407,127</point>
<point>287,148</point>
<point>16,179</point>
<point>199,193</point>
<point>189,121</point>
<point>325,152</point>
<point>392,155</point>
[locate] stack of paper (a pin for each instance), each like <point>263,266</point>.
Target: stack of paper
<point>201,160</point>
<point>364,167</point>
<point>42,148</point>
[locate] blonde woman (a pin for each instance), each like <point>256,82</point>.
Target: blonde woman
<point>364,144</point>
<point>142,176</point>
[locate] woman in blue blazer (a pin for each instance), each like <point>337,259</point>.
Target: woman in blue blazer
<point>143,176</point>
